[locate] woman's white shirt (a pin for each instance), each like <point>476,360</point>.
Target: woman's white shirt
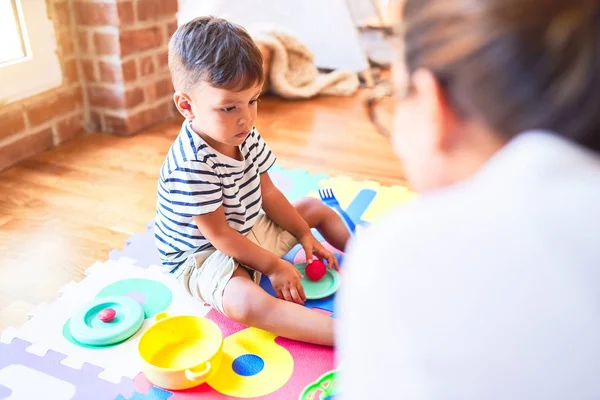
<point>487,289</point>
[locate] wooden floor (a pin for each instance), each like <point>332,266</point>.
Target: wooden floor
<point>67,208</point>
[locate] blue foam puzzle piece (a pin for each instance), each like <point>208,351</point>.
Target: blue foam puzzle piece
<point>327,304</point>
<point>154,393</point>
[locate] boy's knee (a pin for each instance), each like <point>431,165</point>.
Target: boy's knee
<point>238,311</point>
<point>246,309</point>
<point>312,210</point>
<point>308,205</point>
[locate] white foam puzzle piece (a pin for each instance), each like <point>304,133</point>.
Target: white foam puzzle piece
<point>45,328</point>
<point>27,384</point>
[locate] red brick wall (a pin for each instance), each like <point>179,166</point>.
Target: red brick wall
<point>124,59</point>
<point>32,125</point>
<point>113,55</point>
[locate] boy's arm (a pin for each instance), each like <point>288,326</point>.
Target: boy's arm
<point>229,241</point>
<point>284,277</point>
<point>280,210</point>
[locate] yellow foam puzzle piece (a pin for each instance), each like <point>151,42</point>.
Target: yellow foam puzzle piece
<point>346,189</point>
<point>278,365</point>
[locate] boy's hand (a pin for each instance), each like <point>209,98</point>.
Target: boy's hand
<point>286,282</point>
<point>312,246</point>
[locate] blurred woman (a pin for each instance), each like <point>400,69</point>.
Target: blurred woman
<point>488,285</point>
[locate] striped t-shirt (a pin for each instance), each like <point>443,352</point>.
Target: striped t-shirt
<point>194,180</point>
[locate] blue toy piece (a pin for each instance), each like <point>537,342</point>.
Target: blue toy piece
<point>328,197</point>
<point>360,204</point>
<point>87,326</point>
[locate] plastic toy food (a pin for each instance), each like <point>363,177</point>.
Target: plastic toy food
<point>315,270</point>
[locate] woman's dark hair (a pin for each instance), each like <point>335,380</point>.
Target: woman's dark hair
<point>516,64</point>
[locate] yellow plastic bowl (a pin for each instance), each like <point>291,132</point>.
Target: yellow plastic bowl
<point>180,352</point>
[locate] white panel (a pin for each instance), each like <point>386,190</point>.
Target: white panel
<point>325,27</point>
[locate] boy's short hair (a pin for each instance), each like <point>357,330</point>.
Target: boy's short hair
<point>216,51</point>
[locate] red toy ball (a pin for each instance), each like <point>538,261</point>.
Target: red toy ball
<point>315,270</point>
<point>107,315</point>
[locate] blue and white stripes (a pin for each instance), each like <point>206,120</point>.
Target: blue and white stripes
<point>195,180</point>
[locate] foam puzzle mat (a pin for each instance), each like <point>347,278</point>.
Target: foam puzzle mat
<point>256,364</point>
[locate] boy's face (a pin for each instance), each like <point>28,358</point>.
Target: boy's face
<point>225,116</point>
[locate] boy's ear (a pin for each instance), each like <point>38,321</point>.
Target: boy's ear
<point>184,104</point>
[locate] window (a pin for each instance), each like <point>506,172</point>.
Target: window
<point>28,60</point>
<point>13,46</point>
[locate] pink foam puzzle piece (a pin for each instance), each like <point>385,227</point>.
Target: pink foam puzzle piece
<point>310,362</point>
<point>326,312</point>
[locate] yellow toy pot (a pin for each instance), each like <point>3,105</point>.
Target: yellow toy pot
<point>180,352</point>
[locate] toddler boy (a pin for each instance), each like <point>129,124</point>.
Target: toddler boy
<point>220,220</point>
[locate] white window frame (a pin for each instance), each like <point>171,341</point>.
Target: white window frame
<point>40,69</point>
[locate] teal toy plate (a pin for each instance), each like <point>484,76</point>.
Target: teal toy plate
<point>324,287</point>
<point>87,328</point>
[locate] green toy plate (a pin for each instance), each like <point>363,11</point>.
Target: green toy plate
<point>87,328</point>
<point>322,288</point>
<point>324,388</point>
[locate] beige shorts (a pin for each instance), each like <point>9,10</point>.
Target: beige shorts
<point>205,274</point>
